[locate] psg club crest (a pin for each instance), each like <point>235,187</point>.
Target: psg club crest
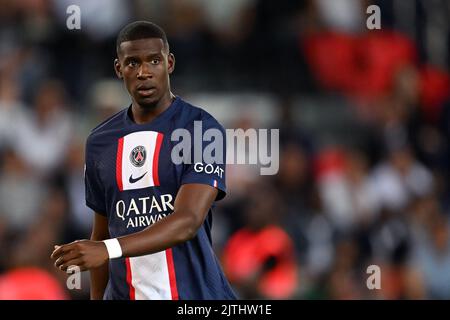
<point>137,160</point>
<point>137,156</point>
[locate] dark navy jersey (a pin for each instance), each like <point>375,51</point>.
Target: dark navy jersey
<point>130,177</point>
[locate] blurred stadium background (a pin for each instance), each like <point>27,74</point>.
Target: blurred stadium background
<point>364,119</point>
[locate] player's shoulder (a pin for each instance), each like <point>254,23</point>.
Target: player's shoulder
<point>191,113</point>
<point>111,123</point>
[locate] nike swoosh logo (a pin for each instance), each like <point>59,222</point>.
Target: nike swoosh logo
<point>133,180</point>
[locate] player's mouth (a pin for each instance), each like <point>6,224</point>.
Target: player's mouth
<point>146,91</point>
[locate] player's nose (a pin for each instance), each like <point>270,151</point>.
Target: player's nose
<point>144,71</point>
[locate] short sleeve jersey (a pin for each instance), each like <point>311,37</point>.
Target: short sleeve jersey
<point>132,178</point>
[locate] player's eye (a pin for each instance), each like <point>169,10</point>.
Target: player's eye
<point>155,61</point>
<point>132,63</point>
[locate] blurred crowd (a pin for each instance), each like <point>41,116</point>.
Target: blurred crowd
<point>364,119</point>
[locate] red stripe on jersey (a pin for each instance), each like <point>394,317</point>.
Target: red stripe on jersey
<point>159,139</point>
<point>129,279</point>
<point>172,276</point>
<point>119,164</point>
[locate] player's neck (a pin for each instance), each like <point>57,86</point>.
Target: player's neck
<point>142,115</point>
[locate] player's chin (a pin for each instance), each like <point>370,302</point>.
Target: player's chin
<point>147,102</point>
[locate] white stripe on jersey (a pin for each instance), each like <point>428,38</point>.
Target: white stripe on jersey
<point>130,172</point>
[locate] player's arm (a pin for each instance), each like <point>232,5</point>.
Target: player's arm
<point>99,275</point>
<point>190,209</point>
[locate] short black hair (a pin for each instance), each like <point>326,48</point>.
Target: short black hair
<point>141,30</point>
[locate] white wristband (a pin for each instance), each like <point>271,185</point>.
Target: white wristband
<point>113,247</point>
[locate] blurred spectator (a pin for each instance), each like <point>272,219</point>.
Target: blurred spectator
<point>228,19</point>
<point>41,137</point>
<point>399,179</point>
<point>319,234</point>
<point>21,193</point>
<point>10,107</point>
<point>30,284</point>
<point>348,195</point>
<point>108,97</point>
<point>342,15</point>
<point>432,257</point>
<point>344,281</point>
<point>79,217</point>
<point>260,258</point>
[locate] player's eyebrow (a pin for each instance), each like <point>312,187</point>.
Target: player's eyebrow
<point>150,56</point>
<point>138,57</point>
<point>153,55</point>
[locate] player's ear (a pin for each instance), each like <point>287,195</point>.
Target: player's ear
<point>170,63</point>
<point>117,68</point>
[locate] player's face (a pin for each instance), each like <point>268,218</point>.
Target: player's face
<point>145,65</point>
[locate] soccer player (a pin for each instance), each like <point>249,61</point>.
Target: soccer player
<point>151,237</point>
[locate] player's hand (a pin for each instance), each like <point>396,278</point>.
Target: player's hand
<point>85,254</point>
